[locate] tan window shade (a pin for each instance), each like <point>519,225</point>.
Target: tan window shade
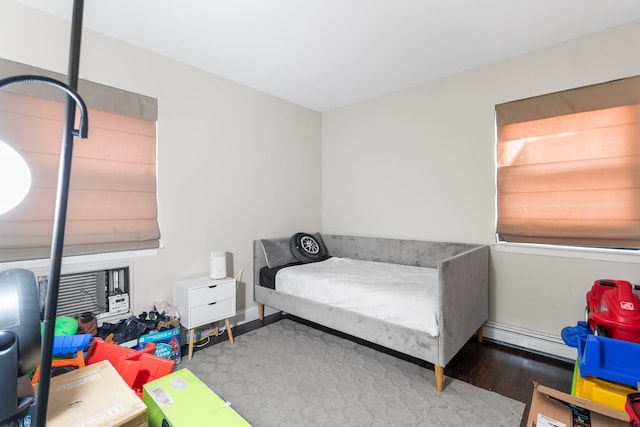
<point>112,198</point>
<point>95,95</point>
<point>573,178</point>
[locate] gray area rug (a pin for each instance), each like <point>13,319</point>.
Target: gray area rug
<point>289,374</point>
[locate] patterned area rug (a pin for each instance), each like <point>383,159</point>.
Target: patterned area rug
<point>289,374</point>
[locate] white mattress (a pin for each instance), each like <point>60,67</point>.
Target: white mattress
<point>398,294</point>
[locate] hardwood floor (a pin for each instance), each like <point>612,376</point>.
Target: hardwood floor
<point>509,371</point>
<point>504,370</point>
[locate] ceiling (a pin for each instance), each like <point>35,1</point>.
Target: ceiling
<point>324,54</point>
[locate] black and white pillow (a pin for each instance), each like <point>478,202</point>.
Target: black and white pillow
<point>307,247</point>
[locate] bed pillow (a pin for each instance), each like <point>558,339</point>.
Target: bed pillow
<point>277,252</point>
<point>307,247</point>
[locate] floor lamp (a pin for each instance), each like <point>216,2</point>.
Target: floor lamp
<point>73,101</point>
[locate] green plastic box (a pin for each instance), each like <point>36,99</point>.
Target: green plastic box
<point>183,400</point>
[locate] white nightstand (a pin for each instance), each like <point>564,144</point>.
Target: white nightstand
<point>204,300</point>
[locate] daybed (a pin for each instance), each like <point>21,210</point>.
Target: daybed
<point>461,280</point>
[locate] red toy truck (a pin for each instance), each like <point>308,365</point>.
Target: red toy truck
<point>613,310</point>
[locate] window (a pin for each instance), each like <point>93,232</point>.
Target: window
<point>112,198</point>
<point>569,167</point>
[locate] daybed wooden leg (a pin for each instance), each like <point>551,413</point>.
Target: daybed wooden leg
<point>439,377</point>
<point>480,334</point>
<point>261,311</point>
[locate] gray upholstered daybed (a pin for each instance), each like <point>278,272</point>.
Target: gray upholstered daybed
<point>462,279</point>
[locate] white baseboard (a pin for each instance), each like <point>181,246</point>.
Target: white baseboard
<point>250,314</point>
<point>539,342</point>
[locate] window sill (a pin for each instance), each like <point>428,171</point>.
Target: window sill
<point>596,254</point>
<point>73,264</point>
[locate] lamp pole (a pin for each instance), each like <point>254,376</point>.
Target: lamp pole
<point>60,217</point>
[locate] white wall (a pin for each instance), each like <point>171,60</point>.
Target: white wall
<point>234,164</point>
<point>420,164</point>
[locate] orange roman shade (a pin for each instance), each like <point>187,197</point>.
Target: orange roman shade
<point>569,167</point>
<point>112,198</point>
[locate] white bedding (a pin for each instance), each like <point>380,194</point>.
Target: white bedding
<point>399,294</point>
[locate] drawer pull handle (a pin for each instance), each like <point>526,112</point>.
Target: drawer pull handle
<point>211,303</point>
<point>212,286</point>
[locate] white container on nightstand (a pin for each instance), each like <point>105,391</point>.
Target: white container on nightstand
<point>203,300</point>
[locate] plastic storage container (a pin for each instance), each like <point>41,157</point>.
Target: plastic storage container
<point>603,392</point>
<point>135,367</point>
<point>609,359</point>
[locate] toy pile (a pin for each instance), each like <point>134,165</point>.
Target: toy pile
<point>130,329</point>
<point>141,348</point>
<point>608,342</point>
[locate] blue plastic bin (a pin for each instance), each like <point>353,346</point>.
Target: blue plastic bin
<point>70,344</point>
<point>609,359</point>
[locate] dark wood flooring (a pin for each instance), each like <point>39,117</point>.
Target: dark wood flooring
<point>502,369</point>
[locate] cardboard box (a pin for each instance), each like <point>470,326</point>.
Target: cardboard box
<point>94,396</point>
<point>553,408</point>
<point>182,399</point>
<point>167,343</point>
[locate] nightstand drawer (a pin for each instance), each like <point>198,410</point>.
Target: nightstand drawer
<point>212,293</point>
<point>213,311</point>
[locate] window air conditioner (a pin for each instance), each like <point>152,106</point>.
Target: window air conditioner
<point>105,293</point>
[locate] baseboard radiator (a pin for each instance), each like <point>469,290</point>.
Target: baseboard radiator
<point>534,341</point>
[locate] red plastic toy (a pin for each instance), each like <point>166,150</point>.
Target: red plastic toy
<point>633,409</point>
<point>135,367</point>
<point>613,310</point>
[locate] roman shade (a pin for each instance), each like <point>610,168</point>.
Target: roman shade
<point>568,167</point>
<point>112,199</point>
